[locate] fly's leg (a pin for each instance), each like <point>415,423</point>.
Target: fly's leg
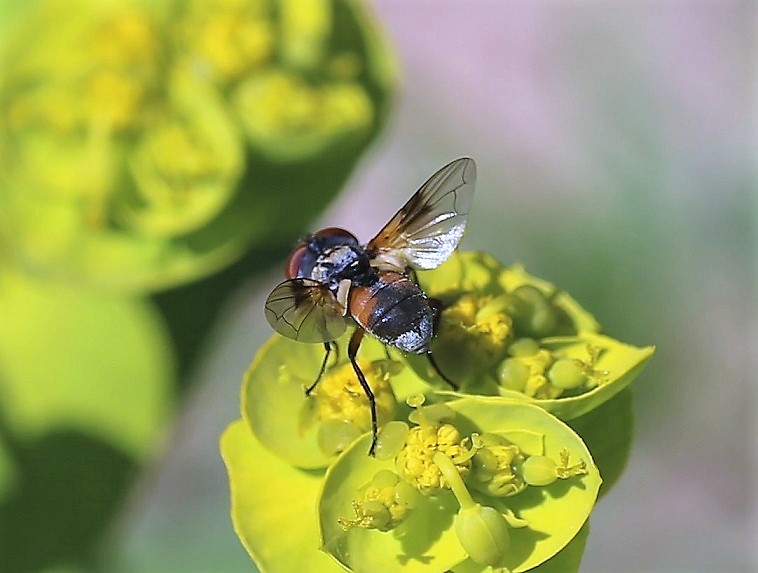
<point>352,351</point>
<point>328,349</point>
<point>439,372</point>
<point>436,305</point>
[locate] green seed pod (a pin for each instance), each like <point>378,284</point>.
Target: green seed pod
<point>540,318</point>
<point>483,533</point>
<point>336,435</point>
<point>513,374</point>
<point>567,373</point>
<point>385,478</point>
<point>406,495</point>
<point>543,320</point>
<point>523,347</point>
<point>485,464</point>
<point>539,470</point>
<point>391,440</point>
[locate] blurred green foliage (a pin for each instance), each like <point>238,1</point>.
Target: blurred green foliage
<point>85,396</point>
<point>148,147</point>
<point>143,145</point>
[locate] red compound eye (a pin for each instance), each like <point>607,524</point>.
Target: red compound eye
<point>294,260</point>
<point>334,232</point>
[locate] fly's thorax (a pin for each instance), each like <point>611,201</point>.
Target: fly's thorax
<point>395,310</point>
<point>340,262</point>
<point>327,256</point>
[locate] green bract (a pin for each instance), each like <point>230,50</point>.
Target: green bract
<point>426,540</point>
<point>275,406</point>
<point>272,506</point>
<point>146,144</point>
<point>618,364</point>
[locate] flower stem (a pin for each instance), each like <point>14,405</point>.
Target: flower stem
<point>452,476</point>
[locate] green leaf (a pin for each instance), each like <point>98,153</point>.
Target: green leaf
<point>622,362</point>
<point>425,542</point>
<point>86,391</point>
<point>569,558</point>
<point>608,431</point>
<point>94,363</point>
<point>272,506</point>
<point>274,403</point>
<point>8,471</point>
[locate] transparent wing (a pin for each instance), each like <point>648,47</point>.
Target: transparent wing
<point>306,311</point>
<point>426,231</point>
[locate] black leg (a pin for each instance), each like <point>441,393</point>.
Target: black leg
<point>352,351</point>
<point>312,387</point>
<point>439,372</point>
<point>437,306</point>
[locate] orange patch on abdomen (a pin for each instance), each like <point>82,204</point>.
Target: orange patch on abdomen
<point>363,298</point>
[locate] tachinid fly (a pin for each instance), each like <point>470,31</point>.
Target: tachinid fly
<point>333,281</point>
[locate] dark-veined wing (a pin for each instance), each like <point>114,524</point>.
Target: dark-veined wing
<point>305,310</point>
<point>426,231</point>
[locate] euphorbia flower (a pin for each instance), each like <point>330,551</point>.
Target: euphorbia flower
<point>540,520</point>
<point>460,481</point>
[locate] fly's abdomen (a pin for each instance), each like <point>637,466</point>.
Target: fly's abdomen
<point>394,310</point>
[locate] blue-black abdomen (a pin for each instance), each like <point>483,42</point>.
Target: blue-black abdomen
<point>395,310</point>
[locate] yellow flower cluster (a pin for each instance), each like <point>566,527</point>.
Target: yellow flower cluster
<point>415,462</point>
<point>476,330</point>
<point>340,396</point>
<point>226,39</point>
<point>385,504</point>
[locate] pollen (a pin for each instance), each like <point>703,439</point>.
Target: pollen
<point>340,395</point>
<point>415,462</point>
